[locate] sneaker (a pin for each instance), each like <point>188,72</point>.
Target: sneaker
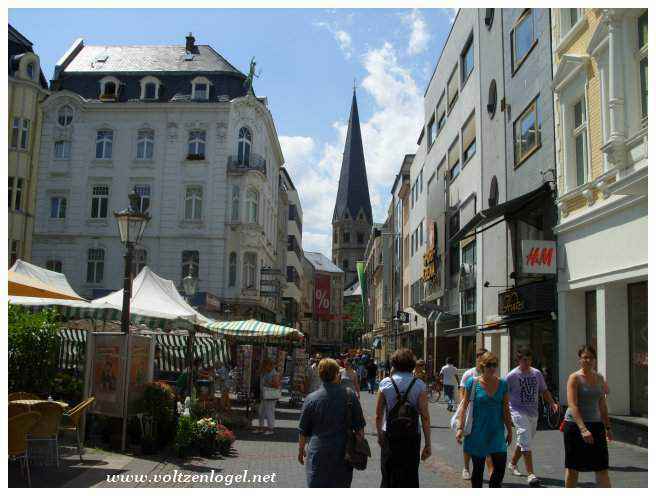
<point>515,470</point>
<point>465,474</point>
<point>532,480</point>
<point>268,433</point>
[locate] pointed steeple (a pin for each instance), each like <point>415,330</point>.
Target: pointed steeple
<point>353,191</point>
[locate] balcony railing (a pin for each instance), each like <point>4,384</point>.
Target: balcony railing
<point>254,162</point>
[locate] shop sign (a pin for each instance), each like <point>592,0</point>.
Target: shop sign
<point>539,296</point>
<point>538,257</point>
<point>431,270</point>
<point>322,295</point>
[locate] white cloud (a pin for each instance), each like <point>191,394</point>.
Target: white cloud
<point>343,38</point>
<point>388,134</point>
<point>451,14</point>
<point>419,34</point>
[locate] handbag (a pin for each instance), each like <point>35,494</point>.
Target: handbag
<point>357,449</point>
<point>270,393</point>
<point>469,414</point>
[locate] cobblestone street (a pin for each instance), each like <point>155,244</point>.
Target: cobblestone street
<point>264,455</point>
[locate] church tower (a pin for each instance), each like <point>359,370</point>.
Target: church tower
<point>352,219</point>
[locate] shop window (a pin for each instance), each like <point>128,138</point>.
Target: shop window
<point>638,332</point>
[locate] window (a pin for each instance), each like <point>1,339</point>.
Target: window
<point>139,260</point>
<point>57,207</point>
<point>412,244</point>
<point>15,252</point>
<point>25,134</point>
<point>252,206</point>
<point>431,131</point>
<point>441,114</point>
<point>250,270</point>
<point>469,139</point>
<point>104,143</point>
<point>108,90</point>
<point>15,131</point>
<point>568,19</point>
<point>201,91</point>
<point>54,265</point>
<point>580,131</point>
<point>522,38</point>
<point>145,144</point>
<point>346,236</point>
<point>489,18</point>
<point>360,237</point>
<point>452,88</point>
<point>62,149</point>
<point>335,237</point>
<point>190,263</point>
<point>421,181</point>
<point>492,99</point>
<point>467,60</point>
<point>95,265</point>
<point>193,203</point>
<point>143,190</point>
<point>527,132</point>
<point>421,233</point>
<point>235,203</point>
<point>244,146</point>
<point>99,201</point>
<point>150,91</point>
<point>232,270</point>
<point>19,193</point>
<point>30,71</point>
<point>11,190</point>
<point>642,53</point>
<point>65,115</point>
<point>196,145</point>
<point>454,160</point>
<point>345,264</point>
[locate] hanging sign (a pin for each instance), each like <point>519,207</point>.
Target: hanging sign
<point>322,295</point>
<point>538,257</point>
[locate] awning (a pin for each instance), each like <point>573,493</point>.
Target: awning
<point>508,209</point>
<point>500,321</point>
<point>424,309</point>
<point>469,330</point>
<point>254,331</point>
<point>377,344</point>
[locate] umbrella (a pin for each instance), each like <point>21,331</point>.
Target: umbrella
<point>252,330</point>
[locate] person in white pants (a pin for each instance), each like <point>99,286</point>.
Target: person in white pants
<point>268,379</point>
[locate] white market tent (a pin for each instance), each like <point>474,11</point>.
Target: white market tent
<point>30,283</point>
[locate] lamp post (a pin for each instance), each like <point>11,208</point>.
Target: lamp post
<point>131,226</point>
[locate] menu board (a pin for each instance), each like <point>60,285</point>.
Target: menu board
<point>300,360</point>
<point>243,369</point>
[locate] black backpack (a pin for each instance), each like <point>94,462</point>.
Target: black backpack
<point>403,419</point>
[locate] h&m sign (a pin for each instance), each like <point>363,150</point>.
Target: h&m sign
<point>538,257</point>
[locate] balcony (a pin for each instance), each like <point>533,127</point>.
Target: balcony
<point>254,162</point>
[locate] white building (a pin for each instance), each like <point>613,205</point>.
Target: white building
<point>293,244</point>
<point>181,126</point>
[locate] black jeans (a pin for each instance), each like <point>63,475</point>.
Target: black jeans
<point>399,462</point>
<point>499,462</point>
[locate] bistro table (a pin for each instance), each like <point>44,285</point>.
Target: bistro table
<point>31,403</point>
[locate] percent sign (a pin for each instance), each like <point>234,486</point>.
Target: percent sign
<point>322,298</point>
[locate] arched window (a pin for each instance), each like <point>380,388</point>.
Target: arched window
<point>104,143</point>
<point>196,145</point>
<point>65,115</point>
<point>145,144</point>
<point>252,204</point>
<point>244,146</point>
<point>250,270</point>
<point>232,270</point>
<point>235,203</point>
<point>150,91</point>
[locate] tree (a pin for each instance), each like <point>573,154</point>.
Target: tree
<point>33,345</point>
<point>353,327</point>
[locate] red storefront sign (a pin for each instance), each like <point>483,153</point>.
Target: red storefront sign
<point>322,295</point>
<point>538,257</point>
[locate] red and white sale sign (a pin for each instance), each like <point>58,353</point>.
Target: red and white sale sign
<point>538,257</point>
<point>322,295</point>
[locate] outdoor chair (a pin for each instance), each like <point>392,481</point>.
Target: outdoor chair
<point>23,396</point>
<point>72,419</point>
<point>47,429</point>
<point>18,427</point>
<point>17,409</point>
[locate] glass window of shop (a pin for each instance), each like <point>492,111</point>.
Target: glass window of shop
<point>539,337</point>
<point>467,357</point>
<point>637,299</point>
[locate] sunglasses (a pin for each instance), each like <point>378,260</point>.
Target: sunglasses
<point>491,365</point>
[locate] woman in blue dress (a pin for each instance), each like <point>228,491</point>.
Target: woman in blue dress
<point>323,428</point>
<point>491,413</point>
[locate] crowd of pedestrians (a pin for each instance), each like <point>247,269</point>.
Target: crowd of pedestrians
<point>490,409</point>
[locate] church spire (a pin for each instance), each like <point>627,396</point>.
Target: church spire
<point>353,191</point>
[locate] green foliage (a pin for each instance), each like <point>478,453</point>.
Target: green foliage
<point>185,436</point>
<point>353,328</point>
<point>158,403</point>
<point>68,388</point>
<point>33,344</point>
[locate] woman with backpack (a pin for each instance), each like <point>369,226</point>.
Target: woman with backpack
<point>489,414</point>
<point>402,399</point>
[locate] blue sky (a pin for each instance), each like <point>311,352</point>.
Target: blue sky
<point>309,59</point>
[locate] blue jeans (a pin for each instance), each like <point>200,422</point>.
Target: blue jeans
<point>448,391</point>
<point>372,385</point>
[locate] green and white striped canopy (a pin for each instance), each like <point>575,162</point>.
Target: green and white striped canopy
<point>254,331</point>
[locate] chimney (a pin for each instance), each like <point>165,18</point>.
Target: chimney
<point>190,47</point>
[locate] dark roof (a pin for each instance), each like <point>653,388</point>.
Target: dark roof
<point>18,45</point>
<point>147,59</point>
<point>353,191</point>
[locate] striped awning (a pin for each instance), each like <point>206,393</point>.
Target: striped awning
<point>173,351</point>
<point>250,331</point>
<point>72,349</point>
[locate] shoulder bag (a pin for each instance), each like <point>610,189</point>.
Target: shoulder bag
<point>469,415</point>
<point>357,449</point>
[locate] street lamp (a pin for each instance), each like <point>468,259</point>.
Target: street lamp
<point>189,286</point>
<point>131,226</point>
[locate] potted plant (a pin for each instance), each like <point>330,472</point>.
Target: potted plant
<point>206,430</point>
<point>224,439</point>
<point>185,436</point>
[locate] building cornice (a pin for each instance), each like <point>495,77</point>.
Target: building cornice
<point>593,214</point>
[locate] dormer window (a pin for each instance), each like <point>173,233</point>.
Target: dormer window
<point>150,88</point>
<point>30,71</point>
<point>109,89</point>
<point>65,115</point>
<point>200,89</point>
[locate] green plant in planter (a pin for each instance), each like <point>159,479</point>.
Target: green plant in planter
<point>225,438</point>
<point>67,387</point>
<point>158,404</point>
<point>185,436</point>
<point>206,430</point>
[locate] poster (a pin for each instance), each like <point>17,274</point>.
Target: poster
<point>300,360</point>
<point>108,374</point>
<point>140,367</point>
<point>243,369</point>
<point>322,295</point>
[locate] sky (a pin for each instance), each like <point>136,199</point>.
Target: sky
<point>309,60</point>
